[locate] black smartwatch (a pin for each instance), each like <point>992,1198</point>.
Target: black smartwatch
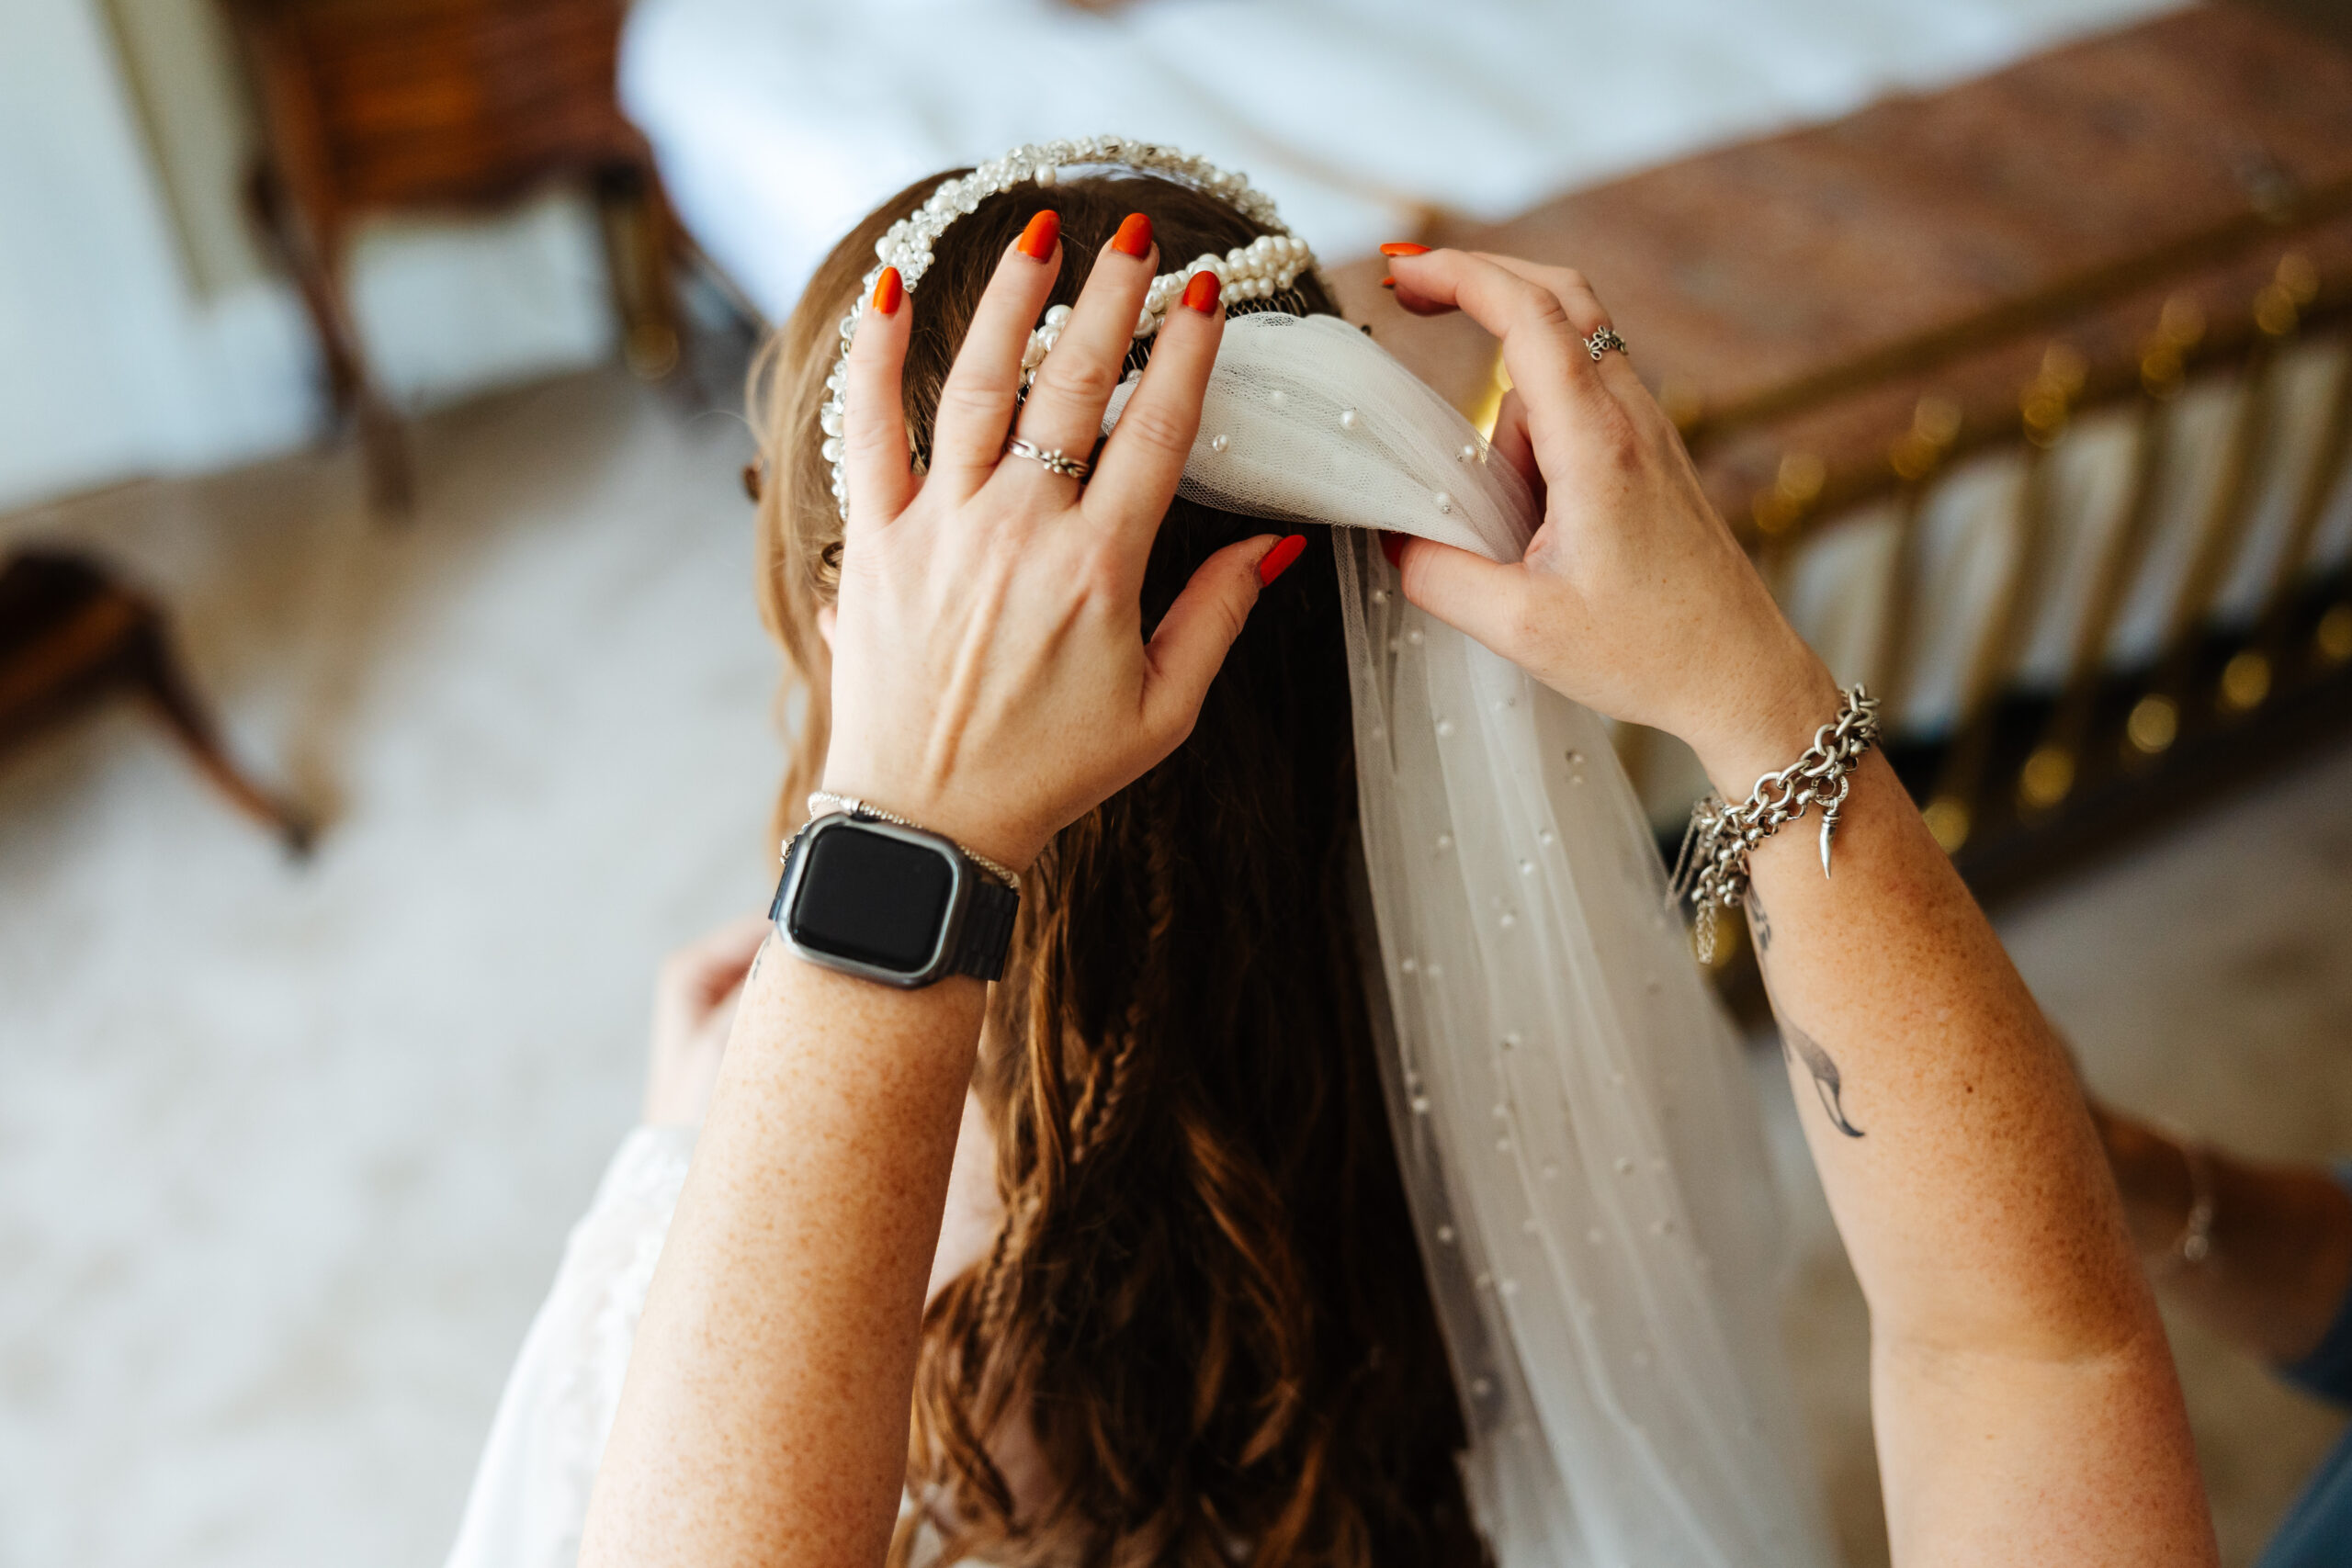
<point>891,903</point>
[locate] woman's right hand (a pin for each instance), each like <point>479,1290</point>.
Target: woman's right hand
<point>1632,598</point>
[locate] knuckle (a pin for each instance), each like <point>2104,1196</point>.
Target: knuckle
<point>1413,577</point>
<point>1619,442</point>
<point>1101,577</point>
<point>1543,552</point>
<point>1002,530</point>
<point>1544,310</point>
<point>1174,727</point>
<point>1232,616</point>
<point>1525,621</point>
<point>1080,380</point>
<point>1151,425</point>
<point>966,398</point>
<point>871,437</point>
<point>1232,608</point>
<point>1569,286</point>
<point>1531,314</point>
<point>1229,614</point>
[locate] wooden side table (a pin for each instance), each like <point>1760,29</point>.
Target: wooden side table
<point>74,636</point>
<point>379,106</point>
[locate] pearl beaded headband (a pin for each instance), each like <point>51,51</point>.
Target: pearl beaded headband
<point>1255,271</point>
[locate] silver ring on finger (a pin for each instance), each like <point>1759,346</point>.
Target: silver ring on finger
<point>1601,341</point>
<point>1054,459</point>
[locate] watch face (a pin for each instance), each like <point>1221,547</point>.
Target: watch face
<point>872,898</point>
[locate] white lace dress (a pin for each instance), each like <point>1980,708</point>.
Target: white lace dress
<point>530,1492</point>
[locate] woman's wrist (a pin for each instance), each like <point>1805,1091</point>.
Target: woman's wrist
<point>971,826</point>
<point>1765,723</point>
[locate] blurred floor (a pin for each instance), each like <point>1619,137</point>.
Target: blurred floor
<point>286,1152</point>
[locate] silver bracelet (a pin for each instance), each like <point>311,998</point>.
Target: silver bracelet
<point>1712,870</point>
<point>825,803</point>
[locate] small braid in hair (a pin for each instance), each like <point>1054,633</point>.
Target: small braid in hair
<point>1107,1085</point>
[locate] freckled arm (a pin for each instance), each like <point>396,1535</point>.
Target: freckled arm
<point>2024,1401</point>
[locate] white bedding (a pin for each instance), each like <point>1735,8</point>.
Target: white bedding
<point>778,123</point>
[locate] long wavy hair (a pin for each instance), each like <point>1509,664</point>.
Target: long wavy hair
<point>1206,1300</point>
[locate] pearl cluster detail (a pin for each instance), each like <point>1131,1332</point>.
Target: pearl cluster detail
<point>1259,270</point>
<point>1255,271</point>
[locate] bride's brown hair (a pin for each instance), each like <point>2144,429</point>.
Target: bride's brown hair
<point>1206,1299</point>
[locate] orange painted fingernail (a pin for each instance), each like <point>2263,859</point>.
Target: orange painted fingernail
<point>1388,283</point>
<point>1201,294</point>
<point>1278,559</point>
<point>889,290</point>
<point>1045,232</point>
<point>1393,546</point>
<point>1403,248</point>
<point>1134,238</point>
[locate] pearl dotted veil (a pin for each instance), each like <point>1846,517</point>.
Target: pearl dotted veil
<point>1579,1138</point>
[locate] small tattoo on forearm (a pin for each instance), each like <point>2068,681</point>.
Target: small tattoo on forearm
<point>1760,921</point>
<point>1826,1079</point>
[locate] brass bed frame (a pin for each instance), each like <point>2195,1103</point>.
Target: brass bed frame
<point>2020,774</point>
<point>1845,319</point>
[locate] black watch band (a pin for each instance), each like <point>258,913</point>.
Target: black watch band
<point>987,936</point>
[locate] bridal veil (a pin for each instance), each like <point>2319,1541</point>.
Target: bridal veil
<point>1577,1134</point>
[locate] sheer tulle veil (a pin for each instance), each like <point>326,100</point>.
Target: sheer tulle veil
<point>1579,1136</point>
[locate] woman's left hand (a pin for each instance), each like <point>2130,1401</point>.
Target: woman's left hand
<point>991,681</point>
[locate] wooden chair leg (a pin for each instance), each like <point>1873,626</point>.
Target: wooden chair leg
<point>383,439</point>
<point>635,223</point>
<point>154,670</point>
<point>383,447</point>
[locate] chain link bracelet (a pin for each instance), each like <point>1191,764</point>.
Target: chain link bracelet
<point>825,803</point>
<point>1712,870</point>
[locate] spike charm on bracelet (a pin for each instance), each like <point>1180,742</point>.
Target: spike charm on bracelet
<point>1712,870</point>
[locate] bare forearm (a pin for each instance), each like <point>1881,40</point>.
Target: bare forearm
<point>1923,1066</point>
<point>1998,1459</point>
<point>1973,1199</point>
<point>764,1418</point>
